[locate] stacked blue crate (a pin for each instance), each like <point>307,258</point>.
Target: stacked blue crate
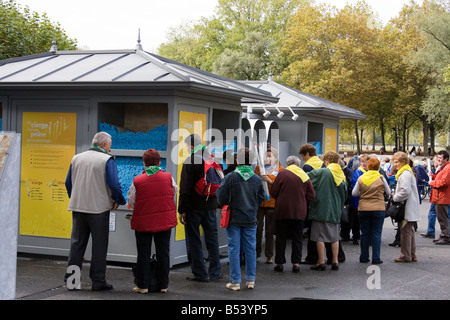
<point>152,139</point>
<point>130,167</point>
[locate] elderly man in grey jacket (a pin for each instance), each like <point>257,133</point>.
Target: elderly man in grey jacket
<point>93,187</point>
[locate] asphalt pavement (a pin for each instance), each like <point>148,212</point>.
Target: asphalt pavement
<point>41,278</point>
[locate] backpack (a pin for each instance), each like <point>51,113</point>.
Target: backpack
<point>356,164</point>
<point>211,180</point>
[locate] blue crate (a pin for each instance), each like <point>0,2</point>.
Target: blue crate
<point>130,167</point>
<point>152,139</point>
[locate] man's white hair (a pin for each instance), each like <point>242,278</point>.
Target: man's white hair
<point>101,137</point>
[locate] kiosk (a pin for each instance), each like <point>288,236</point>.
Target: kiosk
<point>58,100</point>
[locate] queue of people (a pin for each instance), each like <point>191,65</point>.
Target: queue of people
<point>311,196</point>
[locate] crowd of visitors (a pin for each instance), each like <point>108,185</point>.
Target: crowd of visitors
<point>277,204</point>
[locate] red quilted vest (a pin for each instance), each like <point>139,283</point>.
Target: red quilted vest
<point>154,208</point>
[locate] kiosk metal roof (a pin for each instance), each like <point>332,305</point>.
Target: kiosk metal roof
<point>126,68</point>
<point>301,102</point>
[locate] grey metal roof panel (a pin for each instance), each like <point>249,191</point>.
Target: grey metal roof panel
<point>298,100</point>
<point>118,66</point>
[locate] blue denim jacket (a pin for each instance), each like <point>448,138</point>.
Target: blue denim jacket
<point>246,196</point>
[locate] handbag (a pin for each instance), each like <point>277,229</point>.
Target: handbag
<point>396,211</point>
<point>226,210</point>
<point>345,212</point>
<point>154,281</point>
<point>225,216</point>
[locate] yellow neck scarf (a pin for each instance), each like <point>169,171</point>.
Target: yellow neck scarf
<point>370,177</point>
<point>337,172</point>
<point>298,172</point>
<point>403,169</point>
<point>314,162</point>
<point>362,169</point>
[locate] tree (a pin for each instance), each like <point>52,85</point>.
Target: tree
<point>434,58</point>
<point>422,70</point>
<point>341,55</point>
<point>250,31</point>
<point>23,32</point>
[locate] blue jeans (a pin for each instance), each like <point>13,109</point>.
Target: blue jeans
<point>245,236</point>
<point>371,224</point>
<point>207,219</point>
<point>432,219</point>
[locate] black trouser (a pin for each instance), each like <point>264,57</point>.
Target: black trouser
<point>285,229</point>
<point>84,225</point>
<point>144,253</point>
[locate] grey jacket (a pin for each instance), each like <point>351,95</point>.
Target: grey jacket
<point>407,190</point>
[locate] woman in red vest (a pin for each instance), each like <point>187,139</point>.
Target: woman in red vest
<point>151,196</point>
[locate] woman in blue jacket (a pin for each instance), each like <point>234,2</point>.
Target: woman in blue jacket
<point>243,191</point>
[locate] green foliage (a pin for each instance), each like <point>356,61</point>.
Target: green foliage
<point>241,42</point>
<point>23,32</point>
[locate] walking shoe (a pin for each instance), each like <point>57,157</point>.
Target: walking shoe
<point>233,286</point>
<point>401,260</point>
<point>442,241</point>
<point>250,284</point>
<point>278,268</point>
<point>139,290</point>
<point>427,235</point>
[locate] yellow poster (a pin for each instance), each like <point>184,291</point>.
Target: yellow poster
<point>48,145</point>
<point>330,140</point>
<point>189,123</point>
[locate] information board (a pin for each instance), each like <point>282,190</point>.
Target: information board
<point>48,145</point>
<point>189,122</point>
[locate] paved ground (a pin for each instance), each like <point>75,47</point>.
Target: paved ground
<point>40,278</point>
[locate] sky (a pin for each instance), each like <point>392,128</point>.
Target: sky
<point>114,24</point>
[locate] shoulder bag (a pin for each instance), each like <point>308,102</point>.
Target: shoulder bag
<point>226,209</point>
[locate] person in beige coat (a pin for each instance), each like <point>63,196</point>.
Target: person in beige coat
<point>406,190</point>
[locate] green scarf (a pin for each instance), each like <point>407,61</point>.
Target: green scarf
<point>246,172</point>
<point>99,148</point>
<point>152,170</point>
<point>197,148</point>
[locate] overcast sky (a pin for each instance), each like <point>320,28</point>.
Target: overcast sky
<point>114,24</point>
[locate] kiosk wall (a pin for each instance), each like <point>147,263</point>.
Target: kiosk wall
<point>55,129</point>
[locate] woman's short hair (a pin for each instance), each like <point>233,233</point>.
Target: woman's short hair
<point>293,160</point>
<point>308,149</point>
<point>401,157</point>
<point>331,157</point>
<point>373,164</point>
<point>151,157</point>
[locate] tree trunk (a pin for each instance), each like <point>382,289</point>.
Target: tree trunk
<point>432,139</point>
<point>383,141</point>
<point>425,129</point>
<point>373,138</point>
<point>358,146</point>
<point>362,130</point>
